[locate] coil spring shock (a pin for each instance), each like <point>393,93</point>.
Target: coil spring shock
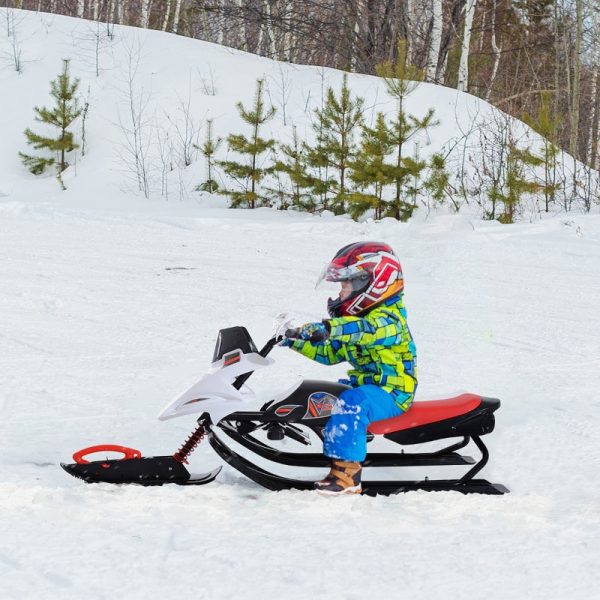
<point>192,442</point>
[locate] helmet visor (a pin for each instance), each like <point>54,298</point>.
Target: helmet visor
<point>342,284</point>
<point>332,275</point>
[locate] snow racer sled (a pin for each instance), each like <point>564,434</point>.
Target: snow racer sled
<point>221,397</point>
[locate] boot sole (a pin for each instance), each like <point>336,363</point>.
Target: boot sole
<point>357,489</point>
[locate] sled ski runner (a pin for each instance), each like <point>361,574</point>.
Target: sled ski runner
<point>466,484</point>
<point>150,470</point>
<point>220,397</point>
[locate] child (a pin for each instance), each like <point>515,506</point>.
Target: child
<point>367,329</point>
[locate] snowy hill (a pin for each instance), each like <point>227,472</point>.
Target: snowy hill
<point>171,85</point>
<point>110,305</point>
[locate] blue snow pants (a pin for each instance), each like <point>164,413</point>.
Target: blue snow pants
<point>345,435</point>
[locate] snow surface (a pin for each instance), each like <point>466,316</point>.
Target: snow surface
<point>110,306</point>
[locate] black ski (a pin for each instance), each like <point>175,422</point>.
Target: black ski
<point>151,470</point>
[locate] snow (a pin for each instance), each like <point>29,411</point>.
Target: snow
<point>110,306</point>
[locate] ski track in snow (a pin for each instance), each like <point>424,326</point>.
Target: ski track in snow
<point>103,320</point>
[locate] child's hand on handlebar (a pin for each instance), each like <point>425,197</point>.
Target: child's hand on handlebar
<point>311,332</point>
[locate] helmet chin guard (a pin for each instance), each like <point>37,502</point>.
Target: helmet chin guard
<point>374,271</point>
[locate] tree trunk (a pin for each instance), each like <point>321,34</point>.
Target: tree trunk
<point>447,38</point>
<point>166,16</point>
<point>145,14</point>
<point>270,32</point>
<point>122,6</point>
<point>109,11</point>
<point>176,16</point>
<point>243,26</point>
<point>592,150</point>
<point>410,31</point>
<point>436,41</point>
<point>497,53</point>
<point>220,27</point>
<point>575,98</point>
<point>287,39</point>
<point>592,146</point>
<point>356,34</point>
<point>463,69</point>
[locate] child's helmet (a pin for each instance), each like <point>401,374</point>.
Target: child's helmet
<point>374,271</point>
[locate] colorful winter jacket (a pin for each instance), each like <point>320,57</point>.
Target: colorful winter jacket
<point>378,345</point>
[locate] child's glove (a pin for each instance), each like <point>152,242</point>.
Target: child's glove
<point>311,332</point>
<point>281,323</point>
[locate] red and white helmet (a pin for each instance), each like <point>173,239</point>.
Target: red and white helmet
<point>374,271</point>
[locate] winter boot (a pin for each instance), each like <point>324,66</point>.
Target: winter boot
<point>343,478</point>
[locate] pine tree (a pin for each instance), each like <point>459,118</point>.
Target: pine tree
<point>370,171</point>
<point>546,123</point>
<point>60,116</point>
<point>249,175</point>
<point>208,149</point>
<point>401,78</point>
<point>516,183</point>
<point>322,183</point>
<point>438,180</point>
<point>335,148</point>
<point>294,166</point>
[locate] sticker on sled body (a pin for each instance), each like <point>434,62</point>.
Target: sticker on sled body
<point>320,404</point>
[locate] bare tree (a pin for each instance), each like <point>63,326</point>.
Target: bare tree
<point>284,86</point>
<point>145,13</point>
<point>436,41</point>
<point>575,98</point>
<point>135,124</point>
<point>592,144</point>
<point>496,50</point>
<point>176,16</point>
<point>463,69</point>
<point>185,130</point>
<point>15,55</point>
<point>166,16</point>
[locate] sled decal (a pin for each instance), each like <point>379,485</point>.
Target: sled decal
<point>194,401</point>
<point>231,359</point>
<point>284,411</point>
<point>320,404</point>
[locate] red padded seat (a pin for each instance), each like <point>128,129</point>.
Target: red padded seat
<point>428,411</point>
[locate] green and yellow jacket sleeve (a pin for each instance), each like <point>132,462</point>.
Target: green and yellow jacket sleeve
<point>328,352</point>
<point>376,330</point>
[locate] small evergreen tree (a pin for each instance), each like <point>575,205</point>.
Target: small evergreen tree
<point>546,123</point>
<point>335,148</point>
<point>249,174</point>
<point>401,78</point>
<point>294,166</point>
<point>438,180</point>
<point>370,171</point>
<point>60,116</point>
<point>208,149</point>
<point>321,182</point>
<point>516,183</point>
